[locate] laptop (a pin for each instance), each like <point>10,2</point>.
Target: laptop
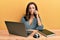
<point>17,28</point>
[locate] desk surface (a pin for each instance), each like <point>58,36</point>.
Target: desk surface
<point>4,35</point>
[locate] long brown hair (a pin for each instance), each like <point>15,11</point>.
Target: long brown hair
<point>27,15</point>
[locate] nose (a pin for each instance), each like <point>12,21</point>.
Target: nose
<point>32,9</point>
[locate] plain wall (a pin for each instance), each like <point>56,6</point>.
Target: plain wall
<point>13,10</point>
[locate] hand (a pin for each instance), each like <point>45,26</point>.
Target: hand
<point>36,12</point>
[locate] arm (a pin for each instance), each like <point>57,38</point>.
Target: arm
<point>39,23</point>
<point>38,19</point>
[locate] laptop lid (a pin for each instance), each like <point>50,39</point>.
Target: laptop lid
<point>16,28</point>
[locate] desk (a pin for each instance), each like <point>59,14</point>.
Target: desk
<point>4,35</point>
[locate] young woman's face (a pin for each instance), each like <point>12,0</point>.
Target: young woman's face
<point>31,8</point>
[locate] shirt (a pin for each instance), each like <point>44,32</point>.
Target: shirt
<point>34,24</point>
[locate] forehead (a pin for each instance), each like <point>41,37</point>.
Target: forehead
<point>31,5</point>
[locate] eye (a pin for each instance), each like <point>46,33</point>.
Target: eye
<point>29,7</point>
<point>33,7</point>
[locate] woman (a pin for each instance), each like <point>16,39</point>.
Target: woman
<point>31,18</point>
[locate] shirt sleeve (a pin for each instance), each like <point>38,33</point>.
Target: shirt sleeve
<point>39,27</point>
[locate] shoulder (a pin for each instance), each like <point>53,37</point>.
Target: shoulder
<point>22,18</point>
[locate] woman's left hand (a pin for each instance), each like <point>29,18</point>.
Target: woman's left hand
<point>36,12</point>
